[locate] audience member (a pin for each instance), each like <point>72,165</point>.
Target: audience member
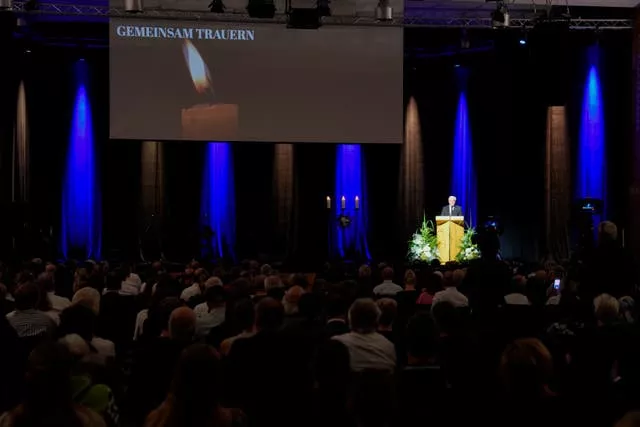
<point>368,349</point>
<point>387,287</point>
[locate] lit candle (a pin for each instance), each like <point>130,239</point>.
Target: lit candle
<point>357,202</point>
<point>213,121</point>
<point>343,202</point>
<point>328,202</point>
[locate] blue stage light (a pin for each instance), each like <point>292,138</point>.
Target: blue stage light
<point>591,152</point>
<point>463,173</point>
<point>350,237</point>
<point>218,204</point>
<point>523,42</point>
<point>81,228</point>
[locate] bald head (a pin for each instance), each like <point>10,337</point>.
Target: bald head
<point>182,324</point>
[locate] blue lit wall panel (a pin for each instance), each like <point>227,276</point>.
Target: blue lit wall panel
<point>350,181</point>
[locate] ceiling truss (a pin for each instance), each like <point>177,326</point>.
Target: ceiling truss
<point>423,19</point>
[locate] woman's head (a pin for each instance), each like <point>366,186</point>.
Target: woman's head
<point>526,367</point>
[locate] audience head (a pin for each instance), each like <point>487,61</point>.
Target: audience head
<point>526,367</point>
<point>26,296</point>
<point>266,270</point>
<point>291,299</point>
<point>457,277</point>
<point>387,273</point>
<point>628,309</point>
<point>630,419</point>
<point>364,271</point>
<point>77,346</point>
<point>213,281</point>
<point>607,232</point>
<point>46,282</point>
<point>410,278</point>
<point>89,298</point>
<point>50,268</point>
<point>182,324</point>
<point>269,314</point>
<point>388,312</point>
<point>447,318</point>
<point>364,315</point>
<point>606,308</point>
<point>159,317</point>
<point>81,279</point>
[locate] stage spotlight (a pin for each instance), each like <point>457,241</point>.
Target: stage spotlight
<point>500,17</point>
<point>523,42</point>
<point>133,6</point>
<point>384,12</point>
<point>6,4</point>
<point>264,9</point>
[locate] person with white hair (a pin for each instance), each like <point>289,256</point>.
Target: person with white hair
<point>606,309</point>
<point>451,209</point>
<point>368,349</point>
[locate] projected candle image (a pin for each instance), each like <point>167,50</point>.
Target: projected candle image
<point>212,120</point>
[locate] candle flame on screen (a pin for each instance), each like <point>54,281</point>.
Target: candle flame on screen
<point>198,69</point>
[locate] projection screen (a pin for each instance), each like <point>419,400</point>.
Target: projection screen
<point>198,81</point>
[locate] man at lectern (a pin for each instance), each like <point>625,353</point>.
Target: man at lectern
<point>452,209</point>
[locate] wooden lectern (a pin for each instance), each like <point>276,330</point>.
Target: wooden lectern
<point>450,230</point>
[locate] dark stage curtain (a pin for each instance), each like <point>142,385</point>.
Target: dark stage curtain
<point>557,185</point>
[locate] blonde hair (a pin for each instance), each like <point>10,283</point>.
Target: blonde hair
<point>606,308</point>
<point>410,277</point>
<point>87,297</point>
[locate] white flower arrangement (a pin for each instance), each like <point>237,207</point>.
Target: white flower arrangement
<point>468,250</point>
<point>424,244</point>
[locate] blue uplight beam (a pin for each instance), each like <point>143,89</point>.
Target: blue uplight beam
<point>591,153</point>
<point>81,228</point>
<point>218,204</point>
<point>463,181</point>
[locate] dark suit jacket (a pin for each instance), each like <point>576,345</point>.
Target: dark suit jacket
<point>457,211</point>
